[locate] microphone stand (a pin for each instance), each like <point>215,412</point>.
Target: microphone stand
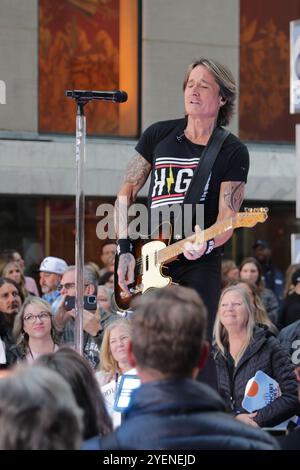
<point>82,97</point>
<point>79,223</point>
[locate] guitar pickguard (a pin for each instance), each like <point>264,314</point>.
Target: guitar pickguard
<point>152,276</point>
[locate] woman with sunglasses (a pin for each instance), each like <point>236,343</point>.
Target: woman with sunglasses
<point>34,330</point>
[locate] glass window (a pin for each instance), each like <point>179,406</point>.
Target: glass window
<point>264,70</point>
<point>88,45</point>
<point>45,226</point>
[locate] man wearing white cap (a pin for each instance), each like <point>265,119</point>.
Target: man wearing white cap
<point>51,272</point>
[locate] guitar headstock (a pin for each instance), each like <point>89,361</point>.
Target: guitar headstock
<point>250,217</point>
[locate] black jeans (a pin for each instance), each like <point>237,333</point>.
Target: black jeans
<point>204,276</point>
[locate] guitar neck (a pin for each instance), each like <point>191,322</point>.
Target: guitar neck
<point>171,251</point>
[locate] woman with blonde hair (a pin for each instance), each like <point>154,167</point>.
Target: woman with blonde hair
<point>113,352</point>
<point>242,348</point>
<point>34,330</point>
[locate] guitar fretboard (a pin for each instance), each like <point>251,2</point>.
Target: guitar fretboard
<point>171,251</point>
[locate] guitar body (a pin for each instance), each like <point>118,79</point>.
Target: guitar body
<point>148,272</point>
<point>152,275</point>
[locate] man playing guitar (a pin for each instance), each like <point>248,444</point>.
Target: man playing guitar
<point>170,151</point>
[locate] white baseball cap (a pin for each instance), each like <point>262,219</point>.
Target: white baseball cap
<point>53,265</point>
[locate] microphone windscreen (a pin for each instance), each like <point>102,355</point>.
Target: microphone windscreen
<point>122,96</point>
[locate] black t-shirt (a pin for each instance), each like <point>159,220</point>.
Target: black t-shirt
<point>174,159</point>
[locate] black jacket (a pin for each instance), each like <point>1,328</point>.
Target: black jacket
<point>289,337</point>
<point>290,310</point>
<point>273,279</point>
<point>291,441</point>
<point>182,414</point>
<point>264,353</point>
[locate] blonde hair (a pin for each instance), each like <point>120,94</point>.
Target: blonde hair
<point>220,334</point>
<point>107,362</point>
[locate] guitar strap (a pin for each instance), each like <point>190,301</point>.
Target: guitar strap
<point>206,162</point>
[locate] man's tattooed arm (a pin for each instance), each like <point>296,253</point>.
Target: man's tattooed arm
<point>137,171</point>
<point>230,201</point>
<point>135,177</point>
<point>233,194</point>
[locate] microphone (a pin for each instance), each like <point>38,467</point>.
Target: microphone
<point>117,96</point>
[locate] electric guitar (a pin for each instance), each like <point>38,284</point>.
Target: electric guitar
<point>151,256</point>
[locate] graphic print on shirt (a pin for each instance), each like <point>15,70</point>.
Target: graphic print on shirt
<point>172,177</point>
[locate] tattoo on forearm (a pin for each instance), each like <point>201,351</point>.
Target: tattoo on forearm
<point>125,260</point>
<point>137,170</point>
<point>234,194</point>
<point>136,175</point>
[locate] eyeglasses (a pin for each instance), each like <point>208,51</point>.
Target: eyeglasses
<point>44,316</point>
<point>66,286</point>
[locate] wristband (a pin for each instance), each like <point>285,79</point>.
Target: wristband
<point>210,246</point>
<point>124,246</point>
